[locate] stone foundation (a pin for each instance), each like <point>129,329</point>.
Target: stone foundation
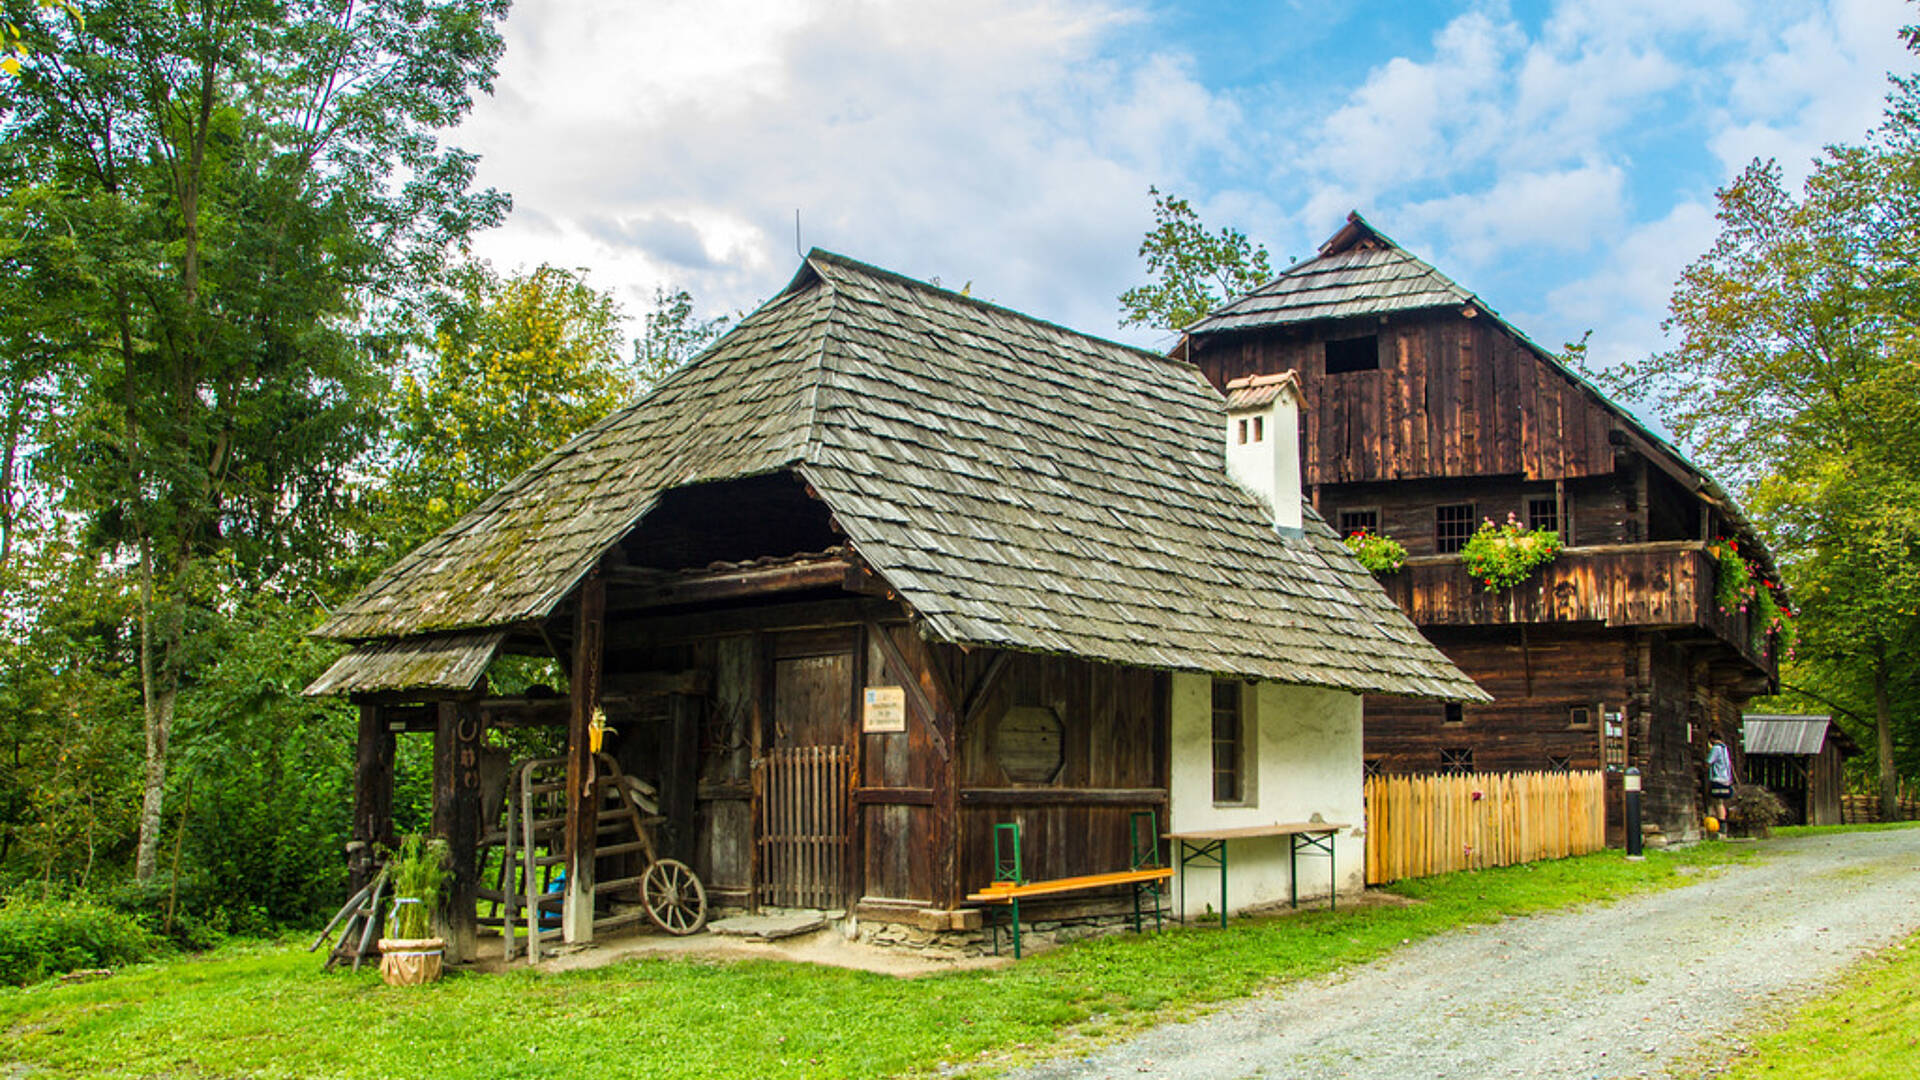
<point>964,944</point>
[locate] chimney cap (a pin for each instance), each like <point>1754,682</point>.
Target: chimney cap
<point>1251,392</point>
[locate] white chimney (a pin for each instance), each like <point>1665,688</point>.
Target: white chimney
<point>1263,443</point>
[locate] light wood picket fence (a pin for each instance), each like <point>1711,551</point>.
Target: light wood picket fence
<point>1423,825</point>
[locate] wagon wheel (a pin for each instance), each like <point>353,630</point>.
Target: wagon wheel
<point>674,897</point>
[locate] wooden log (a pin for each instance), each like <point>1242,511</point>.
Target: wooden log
<point>589,653</point>
<point>456,817</point>
<point>680,774</point>
<point>372,795</point>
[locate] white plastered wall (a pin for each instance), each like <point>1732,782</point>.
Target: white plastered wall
<point>1307,761</point>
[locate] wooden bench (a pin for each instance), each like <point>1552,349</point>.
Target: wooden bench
<point>1010,885</point>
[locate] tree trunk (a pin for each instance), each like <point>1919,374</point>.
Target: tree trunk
<point>1883,732</point>
<point>159,687</point>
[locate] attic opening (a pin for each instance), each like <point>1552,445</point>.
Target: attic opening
<point>1353,354</point>
<point>731,521</point>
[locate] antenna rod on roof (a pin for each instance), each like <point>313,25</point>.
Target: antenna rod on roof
<point>796,234</point>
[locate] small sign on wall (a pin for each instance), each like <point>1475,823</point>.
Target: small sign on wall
<point>885,709</point>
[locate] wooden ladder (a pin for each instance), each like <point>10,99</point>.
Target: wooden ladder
<point>532,843</point>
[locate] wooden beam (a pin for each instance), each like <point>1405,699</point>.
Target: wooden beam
<point>372,795</point>
<point>589,652</point>
<point>898,670</point>
<point>456,817</point>
<point>983,688</point>
<point>1062,797</point>
<point>680,773</point>
<point>635,590</point>
<point>808,615</point>
<point>893,796</point>
<point>650,686</point>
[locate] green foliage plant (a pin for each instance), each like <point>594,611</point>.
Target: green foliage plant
<point>1194,270</point>
<point>44,936</point>
<point>1502,556</point>
<point>419,873</point>
<point>1379,554</point>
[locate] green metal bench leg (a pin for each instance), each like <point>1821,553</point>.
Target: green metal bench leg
<point>1016,928</point>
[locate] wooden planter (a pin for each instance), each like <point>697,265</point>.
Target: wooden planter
<point>410,961</point>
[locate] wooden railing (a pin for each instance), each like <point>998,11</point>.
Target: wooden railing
<point>1418,826</point>
<point>1665,583</point>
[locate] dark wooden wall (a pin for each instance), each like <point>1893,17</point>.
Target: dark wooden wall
<point>1604,509</point>
<point>925,800</point>
<point>1453,396</point>
<point>1674,703</point>
<point>1115,730</point>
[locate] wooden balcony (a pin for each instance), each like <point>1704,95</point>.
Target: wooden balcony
<point>1667,585</point>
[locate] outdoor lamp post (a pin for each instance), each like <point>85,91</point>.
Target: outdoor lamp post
<point>1633,813</point>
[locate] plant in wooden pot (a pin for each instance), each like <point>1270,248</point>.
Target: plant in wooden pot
<point>1754,810</point>
<point>411,955</point>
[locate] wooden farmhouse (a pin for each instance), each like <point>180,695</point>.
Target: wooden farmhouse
<point>884,568</point>
<point>1802,759</point>
<point>1423,414</point>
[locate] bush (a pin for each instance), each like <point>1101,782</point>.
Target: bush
<point>1755,810</point>
<point>1502,556</point>
<point>39,938</point>
<point>1380,554</point>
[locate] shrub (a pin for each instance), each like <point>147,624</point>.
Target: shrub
<point>1377,553</point>
<point>42,937</point>
<point>419,871</point>
<point>1502,556</point>
<point>1755,809</point>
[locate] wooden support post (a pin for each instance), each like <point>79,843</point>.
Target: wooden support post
<point>457,739</point>
<point>583,803</point>
<point>372,796</point>
<point>680,774</point>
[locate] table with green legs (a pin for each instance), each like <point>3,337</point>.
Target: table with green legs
<point>1207,848</point>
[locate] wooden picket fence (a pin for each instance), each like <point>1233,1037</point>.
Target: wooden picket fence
<point>1423,825</point>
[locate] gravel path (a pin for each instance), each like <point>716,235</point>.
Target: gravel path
<point>1600,992</point>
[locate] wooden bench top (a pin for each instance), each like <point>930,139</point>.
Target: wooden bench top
<point>1253,832</point>
<point>1001,892</point>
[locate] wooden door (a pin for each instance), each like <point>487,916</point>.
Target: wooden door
<point>804,787</point>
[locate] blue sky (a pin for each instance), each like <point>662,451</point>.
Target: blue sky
<point>1559,158</point>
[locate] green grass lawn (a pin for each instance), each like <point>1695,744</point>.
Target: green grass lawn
<point>1868,1030</point>
<point>1823,830</point>
<point>268,1011</point>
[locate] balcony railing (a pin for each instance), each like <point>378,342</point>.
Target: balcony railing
<point>1667,585</point>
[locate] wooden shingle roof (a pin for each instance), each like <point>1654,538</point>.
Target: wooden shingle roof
<point>1020,485</point>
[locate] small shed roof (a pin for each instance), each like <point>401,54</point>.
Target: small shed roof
<point>1020,485</point>
<point>1762,733</point>
<point>436,662</point>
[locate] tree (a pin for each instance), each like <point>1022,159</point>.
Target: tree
<point>672,335</point>
<point>244,197</point>
<point>1797,376</point>
<point>1195,270</point>
<point>518,366</point>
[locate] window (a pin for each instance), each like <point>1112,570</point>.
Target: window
<point>1259,429</point>
<point>1353,521</point>
<point>1353,354</point>
<point>1613,740</point>
<point>1243,432</point>
<point>1455,713</point>
<point>1456,761</point>
<point>1580,716</point>
<point>1543,513</point>
<point>1230,743</point>
<point>1452,526</point>
<point>1372,766</point>
<point>1559,763</point>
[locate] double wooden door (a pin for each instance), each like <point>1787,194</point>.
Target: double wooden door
<point>804,783</point>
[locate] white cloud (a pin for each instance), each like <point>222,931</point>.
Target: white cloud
<point>1562,210</point>
<point>992,142</point>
